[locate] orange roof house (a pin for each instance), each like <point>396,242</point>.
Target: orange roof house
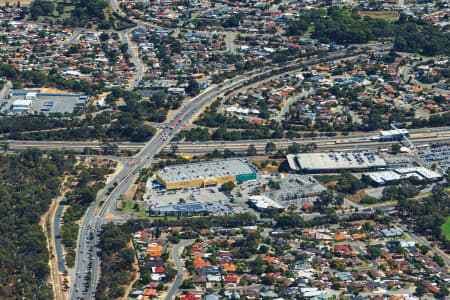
<point>200,263</point>
<point>341,237</point>
<point>358,236</point>
<point>270,259</point>
<point>229,267</point>
<point>150,292</point>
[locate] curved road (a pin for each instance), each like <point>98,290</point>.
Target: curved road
<point>180,272</point>
<point>134,57</point>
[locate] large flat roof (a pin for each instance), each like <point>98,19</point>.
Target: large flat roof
<point>264,202</point>
<point>336,160</point>
<point>419,172</point>
<point>393,132</point>
<point>22,102</point>
<point>205,170</point>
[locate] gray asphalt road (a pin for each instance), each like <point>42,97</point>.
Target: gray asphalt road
<point>134,58</point>
<point>286,106</point>
<point>58,241</point>
<point>179,266</point>
<point>74,38</point>
<point>4,92</point>
<point>421,240</point>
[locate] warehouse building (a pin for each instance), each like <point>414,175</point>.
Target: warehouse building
<point>336,161</point>
<point>22,106</point>
<point>385,177</point>
<point>203,174</point>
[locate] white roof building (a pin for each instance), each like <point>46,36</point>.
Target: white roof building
<point>421,173</point>
<point>263,203</point>
<point>335,161</point>
<point>21,106</point>
<point>31,96</point>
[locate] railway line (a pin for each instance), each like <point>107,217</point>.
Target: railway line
<point>336,142</point>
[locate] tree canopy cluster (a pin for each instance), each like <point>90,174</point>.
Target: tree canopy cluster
<point>89,181</point>
<point>117,261</point>
<point>30,181</point>
<point>37,78</point>
<point>427,216</point>
<point>346,26</point>
<point>77,13</point>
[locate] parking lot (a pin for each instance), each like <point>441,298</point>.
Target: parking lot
<point>43,103</point>
<point>396,161</point>
<point>439,156</point>
<point>214,201</point>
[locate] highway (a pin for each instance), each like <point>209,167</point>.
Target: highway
<point>17,145</point>
<point>423,135</point>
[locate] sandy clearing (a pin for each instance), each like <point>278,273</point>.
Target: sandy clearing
<point>14,2</point>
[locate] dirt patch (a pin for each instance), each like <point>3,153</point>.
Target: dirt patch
<point>357,196</point>
<point>57,91</point>
<point>14,2</point>
<point>392,15</point>
<point>267,166</point>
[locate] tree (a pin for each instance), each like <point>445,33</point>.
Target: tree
<point>5,145</point>
<point>228,186</point>
<point>443,292</point>
<point>251,151</point>
<point>193,88</point>
<point>174,148</point>
<point>268,280</point>
<point>327,198</point>
<point>292,208</point>
<point>373,251</point>
<point>109,148</point>
<point>421,290</point>
<point>187,284</point>
<point>270,147</point>
<point>41,8</point>
<point>104,37</point>
<point>293,148</point>
<point>395,148</point>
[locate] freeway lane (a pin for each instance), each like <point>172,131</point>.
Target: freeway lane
<point>347,146</point>
<point>77,145</point>
<point>84,244</point>
<point>284,143</point>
